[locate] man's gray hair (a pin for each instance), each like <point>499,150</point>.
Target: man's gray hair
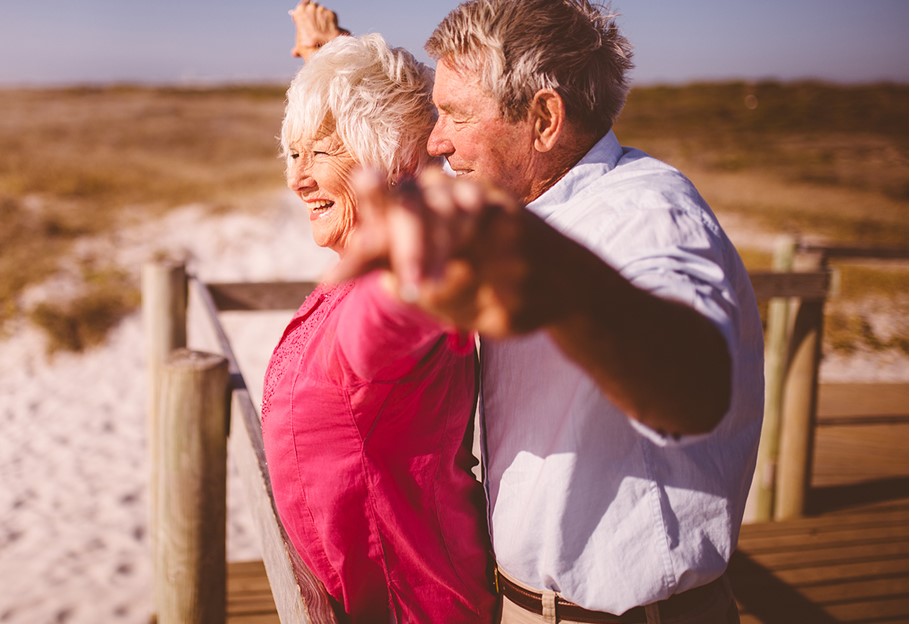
<point>518,47</point>
<point>378,100</point>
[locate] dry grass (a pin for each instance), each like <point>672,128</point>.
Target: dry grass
<point>809,159</point>
<point>83,321</point>
<point>78,162</point>
<point>805,158</point>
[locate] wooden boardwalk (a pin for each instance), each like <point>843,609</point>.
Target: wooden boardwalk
<point>849,566</point>
<point>845,562</point>
<point>249,595</point>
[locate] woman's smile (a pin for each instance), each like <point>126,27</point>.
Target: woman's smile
<point>319,208</point>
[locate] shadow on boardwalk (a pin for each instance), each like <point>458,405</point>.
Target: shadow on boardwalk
<point>847,559</point>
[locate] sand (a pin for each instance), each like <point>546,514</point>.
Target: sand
<point>73,466</point>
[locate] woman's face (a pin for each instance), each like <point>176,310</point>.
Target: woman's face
<point>319,172</point>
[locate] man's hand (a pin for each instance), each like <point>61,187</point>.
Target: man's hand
<point>316,25</point>
<point>467,253</point>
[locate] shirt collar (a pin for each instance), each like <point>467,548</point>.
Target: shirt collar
<point>600,159</point>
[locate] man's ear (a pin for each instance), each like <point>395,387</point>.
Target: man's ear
<point>548,115</point>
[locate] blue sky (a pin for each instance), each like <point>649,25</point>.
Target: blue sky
<point>187,41</point>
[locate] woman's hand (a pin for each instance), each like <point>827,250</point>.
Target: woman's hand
<point>316,25</point>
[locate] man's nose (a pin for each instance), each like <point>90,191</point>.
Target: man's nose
<point>437,143</point>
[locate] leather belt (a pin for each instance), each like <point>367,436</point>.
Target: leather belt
<point>677,605</point>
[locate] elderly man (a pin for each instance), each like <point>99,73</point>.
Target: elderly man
<point>621,348</point>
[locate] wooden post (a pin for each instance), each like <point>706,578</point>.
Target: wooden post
<point>799,408</point>
<point>776,356</point>
<point>164,316</point>
<point>190,563</point>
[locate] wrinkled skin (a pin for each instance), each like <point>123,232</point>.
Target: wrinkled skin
<point>319,172</point>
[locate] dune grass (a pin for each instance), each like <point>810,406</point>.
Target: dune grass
<point>806,158</point>
<point>803,158</point>
<point>78,162</point>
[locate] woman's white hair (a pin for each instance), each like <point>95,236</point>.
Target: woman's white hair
<point>517,47</point>
<point>377,98</point>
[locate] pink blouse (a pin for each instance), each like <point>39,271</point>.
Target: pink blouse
<point>367,408</point>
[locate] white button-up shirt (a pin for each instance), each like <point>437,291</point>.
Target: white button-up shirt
<point>583,500</point>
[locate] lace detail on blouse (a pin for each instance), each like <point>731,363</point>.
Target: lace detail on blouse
<point>297,335</point>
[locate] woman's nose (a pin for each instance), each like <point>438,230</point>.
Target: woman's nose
<point>299,176</point>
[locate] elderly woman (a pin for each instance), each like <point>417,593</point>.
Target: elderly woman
<point>368,402</point>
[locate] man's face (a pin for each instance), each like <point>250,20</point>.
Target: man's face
<point>476,140</point>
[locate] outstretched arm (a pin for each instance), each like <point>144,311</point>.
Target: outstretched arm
<point>477,260</point>
<point>315,26</point>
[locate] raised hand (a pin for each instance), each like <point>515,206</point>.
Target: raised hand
<point>315,25</point>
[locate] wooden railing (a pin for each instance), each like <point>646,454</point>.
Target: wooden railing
<point>189,547</point>
<point>793,350</point>
<point>189,553</point>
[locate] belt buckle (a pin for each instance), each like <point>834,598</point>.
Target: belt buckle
<point>496,580</point>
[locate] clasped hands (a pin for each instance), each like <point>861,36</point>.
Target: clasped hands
<point>465,252</point>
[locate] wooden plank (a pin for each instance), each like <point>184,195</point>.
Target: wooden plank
<point>866,589</point>
<point>862,400</point>
<point>809,542</point>
<point>816,539</point>
<point>895,609</point>
<point>854,454</point>
<point>811,285</point>
<point>796,609</point>
<point>253,618</point>
<point>840,572</point>
<point>892,515</point>
<point>861,551</point>
<point>250,583</point>
<point>259,295</point>
<point>895,503</point>
<point>826,595</point>
<point>870,519</point>
<point>254,603</point>
<point>851,251</point>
